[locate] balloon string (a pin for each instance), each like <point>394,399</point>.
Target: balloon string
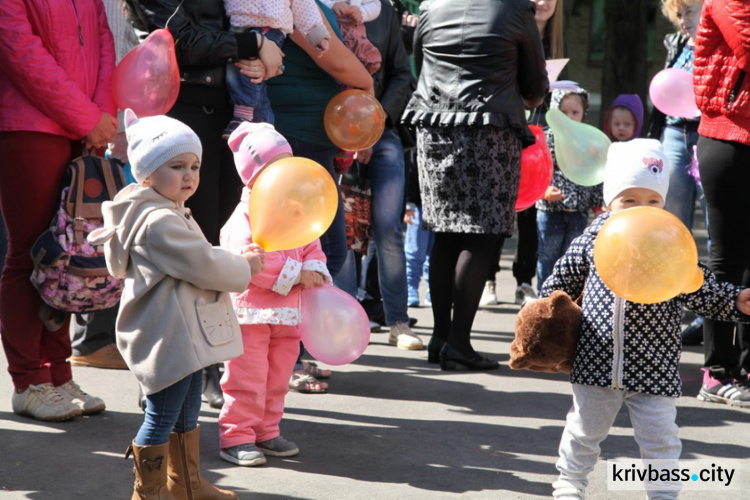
<point>166,26</point>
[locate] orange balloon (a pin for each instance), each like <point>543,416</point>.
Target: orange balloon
<point>696,281</point>
<point>646,255</point>
<point>293,202</point>
<point>147,79</point>
<point>354,120</point>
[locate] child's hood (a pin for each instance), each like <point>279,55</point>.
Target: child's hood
<point>123,217</point>
<point>559,94</point>
<point>633,104</point>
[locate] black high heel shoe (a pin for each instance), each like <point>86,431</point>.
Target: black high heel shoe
<point>450,359</point>
<point>433,350</point>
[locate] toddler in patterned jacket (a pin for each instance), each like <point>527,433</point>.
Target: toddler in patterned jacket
<point>628,352</point>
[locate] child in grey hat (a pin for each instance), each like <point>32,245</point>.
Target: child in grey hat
<point>175,314</point>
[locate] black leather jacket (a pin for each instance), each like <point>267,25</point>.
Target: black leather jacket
<point>392,81</point>
<point>203,42</point>
<point>481,71</point>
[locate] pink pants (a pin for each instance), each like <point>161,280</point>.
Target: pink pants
<point>31,174</point>
<point>255,384</point>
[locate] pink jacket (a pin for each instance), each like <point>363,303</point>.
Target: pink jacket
<point>55,78</point>
<point>273,295</point>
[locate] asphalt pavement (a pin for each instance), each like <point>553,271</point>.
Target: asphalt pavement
<point>391,427</point>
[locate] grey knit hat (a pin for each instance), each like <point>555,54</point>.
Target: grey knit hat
<point>154,140</point>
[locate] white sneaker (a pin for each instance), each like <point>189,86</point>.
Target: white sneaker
<point>402,337</point>
<point>86,402</point>
<point>489,297</point>
<point>525,291</point>
<point>567,491</point>
<point>44,402</point>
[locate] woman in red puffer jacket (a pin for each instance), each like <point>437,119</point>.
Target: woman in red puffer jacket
<point>57,61</point>
<point>722,88</point>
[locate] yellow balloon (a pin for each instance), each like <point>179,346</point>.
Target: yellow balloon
<point>646,255</point>
<point>293,202</point>
<point>696,281</point>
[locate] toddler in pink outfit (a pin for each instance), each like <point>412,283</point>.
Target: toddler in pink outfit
<point>256,382</point>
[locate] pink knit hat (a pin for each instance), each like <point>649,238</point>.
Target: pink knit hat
<point>254,145</point>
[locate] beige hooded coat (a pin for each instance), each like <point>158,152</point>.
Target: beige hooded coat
<point>175,313</point>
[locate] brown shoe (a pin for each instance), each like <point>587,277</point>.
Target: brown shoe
<point>106,357</point>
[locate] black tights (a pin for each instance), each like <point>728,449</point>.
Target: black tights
<point>723,168</point>
<point>458,270</point>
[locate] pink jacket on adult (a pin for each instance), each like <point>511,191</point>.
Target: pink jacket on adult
<point>722,62</point>
<point>53,77</point>
<point>273,295</point>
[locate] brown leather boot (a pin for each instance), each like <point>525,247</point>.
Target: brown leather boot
<point>184,478</point>
<point>150,466</point>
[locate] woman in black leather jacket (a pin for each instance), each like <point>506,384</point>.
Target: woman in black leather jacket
<point>475,79</point>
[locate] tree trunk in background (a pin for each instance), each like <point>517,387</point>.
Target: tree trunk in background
<point>624,70</point>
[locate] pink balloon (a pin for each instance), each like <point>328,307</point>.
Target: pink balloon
<point>147,80</point>
<point>335,329</point>
<point>672,93</point>
<point>536,171</point>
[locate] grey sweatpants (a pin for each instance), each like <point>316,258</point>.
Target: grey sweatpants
<point>588,423</point>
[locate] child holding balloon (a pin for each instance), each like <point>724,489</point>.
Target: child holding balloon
<point>175,317</point>
<point>274,20</point>
<point>563,211</point>
<point>256,382</point>
<point>628,352</point>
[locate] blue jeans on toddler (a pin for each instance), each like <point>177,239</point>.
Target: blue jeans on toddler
<point>556,231</point>
<point>252,95</point>
<point>417,247</point>
<point>173,409</point>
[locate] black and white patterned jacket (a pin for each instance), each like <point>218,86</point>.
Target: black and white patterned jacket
<point>625,345</point>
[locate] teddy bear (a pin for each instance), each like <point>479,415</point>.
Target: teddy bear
<point>546,334</point>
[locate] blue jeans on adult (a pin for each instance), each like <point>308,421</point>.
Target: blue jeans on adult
<point>386,171</point>
<point>252,95</point>
<point>678,143</point>
<point>173,409</point>
<point>556,231</point>
<point>417,248</point>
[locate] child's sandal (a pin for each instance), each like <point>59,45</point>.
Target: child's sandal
<point>311,368</point>
<point>306,384</point>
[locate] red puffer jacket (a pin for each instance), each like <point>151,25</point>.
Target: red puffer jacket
<point>57,59</point>
<point>722,61</point>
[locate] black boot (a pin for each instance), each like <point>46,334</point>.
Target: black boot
<point>211,388</point>
<point>450,358</point>
<point>433,350</point>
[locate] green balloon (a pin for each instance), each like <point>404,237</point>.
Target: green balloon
<point>580,149</point>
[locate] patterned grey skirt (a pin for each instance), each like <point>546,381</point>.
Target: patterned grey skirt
<point>468,177</point>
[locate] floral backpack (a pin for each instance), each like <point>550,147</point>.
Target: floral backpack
<point>69,273</point>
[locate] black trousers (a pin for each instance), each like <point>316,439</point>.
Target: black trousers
<point>207,110</point>
<point>726,178</point>
<point>527,249</point>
